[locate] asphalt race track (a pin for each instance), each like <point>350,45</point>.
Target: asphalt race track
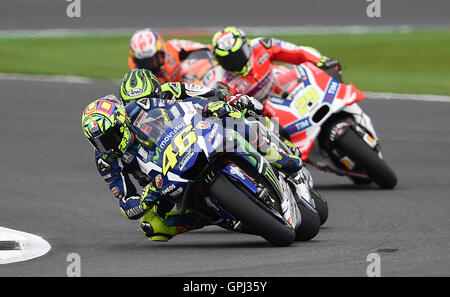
<point>50,187</point>
<point>51,14</point>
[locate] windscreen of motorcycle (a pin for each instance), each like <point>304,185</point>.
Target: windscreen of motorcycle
<point>156,123</point>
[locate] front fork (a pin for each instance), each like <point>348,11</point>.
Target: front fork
<point>363,125</point>
<point>297,190</point>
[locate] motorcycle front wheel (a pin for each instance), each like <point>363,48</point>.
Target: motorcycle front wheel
<point>353,146</point>
<point>321,205</point>
<point>251,212</point>
<point>310,224</point>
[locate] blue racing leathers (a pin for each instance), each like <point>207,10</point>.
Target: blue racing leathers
<point>117,171</point>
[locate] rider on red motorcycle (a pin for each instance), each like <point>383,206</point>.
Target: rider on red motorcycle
<point>249,65</point>
<point>149,51</point>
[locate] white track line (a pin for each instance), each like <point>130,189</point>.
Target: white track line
<point>30,246</point>
<point>46,78</point>
<point>416,97</point>
<point>85,80</point>
<point>252,30</point>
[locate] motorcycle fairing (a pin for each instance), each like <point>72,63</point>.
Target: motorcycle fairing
<point>316,97</point>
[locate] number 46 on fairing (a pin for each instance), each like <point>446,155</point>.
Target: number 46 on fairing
<point>178,147</point>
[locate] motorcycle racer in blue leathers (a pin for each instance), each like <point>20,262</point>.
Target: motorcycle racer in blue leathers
<point>110,127</point>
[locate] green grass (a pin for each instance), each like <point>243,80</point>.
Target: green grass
<point>415,62</point>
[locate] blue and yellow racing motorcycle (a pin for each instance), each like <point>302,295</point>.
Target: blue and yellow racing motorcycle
<point>202,165</point>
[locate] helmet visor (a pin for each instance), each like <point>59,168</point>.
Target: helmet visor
<point>153,63</point>
<point>237,60</point>
<point>112,139</point>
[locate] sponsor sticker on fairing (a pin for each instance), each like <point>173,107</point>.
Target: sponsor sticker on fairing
<point>284,44</point>
<point>176,192</point>
<point>189,108</point>
<point>299,126</point>
<point>159,181</point>
<point>171,187</point>
<point>137,122</point>
<point>143,153</point>
<point>303,124</point>
<point>330,93</point>
<point>146,128</point>
<point>170,135</point>
<point>202,125</point>
<point>186,159</point>
<point>296,91</point>
<point>175,112</point>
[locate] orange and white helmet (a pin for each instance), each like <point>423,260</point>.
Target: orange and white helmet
<point>147,50</point>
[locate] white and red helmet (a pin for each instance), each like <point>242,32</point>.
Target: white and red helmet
<point>147,50</point>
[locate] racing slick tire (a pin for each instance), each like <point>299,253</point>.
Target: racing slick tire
<point>310,224</point>
<point>251,212</point>
<point>321,206</point>
<point>353,146</point>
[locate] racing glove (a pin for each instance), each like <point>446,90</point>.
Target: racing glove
<point>134,207</point>
<point>327,63</point>
<point>220,110</point>
<point>221,94</point>
<point>149,196</point>
<point>249,106</point>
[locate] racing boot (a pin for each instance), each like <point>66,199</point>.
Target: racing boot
<point>157,228</point>
<point>283,162</point>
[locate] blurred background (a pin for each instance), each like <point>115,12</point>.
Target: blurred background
<point>405,48</point>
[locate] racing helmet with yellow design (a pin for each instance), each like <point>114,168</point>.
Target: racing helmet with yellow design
<point>106,125</point>
<point>232,50</point>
